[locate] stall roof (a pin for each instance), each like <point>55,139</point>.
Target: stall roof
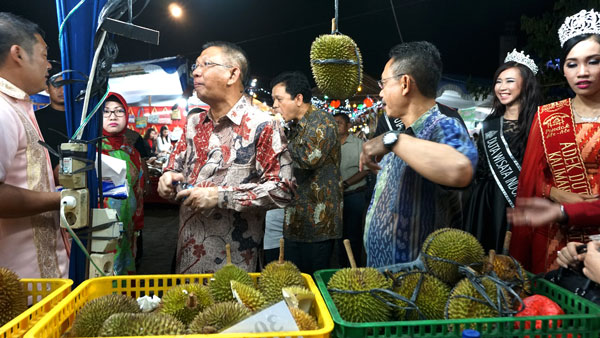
<point>161,82</point>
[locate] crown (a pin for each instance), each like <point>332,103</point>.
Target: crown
<point>584,22</point>
<point>523,59</point>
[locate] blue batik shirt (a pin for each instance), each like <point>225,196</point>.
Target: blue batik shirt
<point>406,207</point>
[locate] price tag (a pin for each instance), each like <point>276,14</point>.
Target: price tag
<point>276,318</point>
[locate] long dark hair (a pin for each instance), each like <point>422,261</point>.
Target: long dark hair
<point>148,132</point>
<point>164,139</point>
<point>529,100</point>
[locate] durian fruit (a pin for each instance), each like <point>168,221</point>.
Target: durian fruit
<point>141,324</point>
<point>278,275</point>
<point>431,295</point>
<point>220,285</point>
<point>298,296</point>
<point>304,321</point>
<point>218,317</point>
<point>509,270</point>
<point>248,296</point>
<point>336,65</point>
<point>454,245</point>
<point>359,307</point>
<point>185,301</point>
<point>466,302</point>
<point>90,317</point>
<point>13,299</point>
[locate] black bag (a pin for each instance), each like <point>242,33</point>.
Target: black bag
<point>575,282</point>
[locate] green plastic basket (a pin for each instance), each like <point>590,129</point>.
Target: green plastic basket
<point>581,319</point>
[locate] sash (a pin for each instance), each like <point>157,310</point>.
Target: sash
<point>503,165</point>
<point>560,146</point>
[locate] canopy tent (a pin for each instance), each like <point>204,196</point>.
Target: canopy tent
<point>160,82</point>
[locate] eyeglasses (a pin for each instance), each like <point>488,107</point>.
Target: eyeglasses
<point>207,64</point>
<point>382,82</point>
<point>117,112</point>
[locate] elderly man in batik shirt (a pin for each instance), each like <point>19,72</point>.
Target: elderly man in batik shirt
<point>235,158</point>
<point>314,219</point>
<point>31,242</point>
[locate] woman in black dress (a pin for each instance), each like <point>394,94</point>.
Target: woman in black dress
<point>501,146</point>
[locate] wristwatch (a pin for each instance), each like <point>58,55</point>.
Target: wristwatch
<point>390,139</point>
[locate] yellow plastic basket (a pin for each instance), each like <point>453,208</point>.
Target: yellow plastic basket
<point>61,317</point>
<point>42,296</point>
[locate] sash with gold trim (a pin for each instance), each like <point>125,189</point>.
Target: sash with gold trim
<point>503,165</point>
<point>560,146</point>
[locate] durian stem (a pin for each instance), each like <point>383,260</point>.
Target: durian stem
<point>281,245</point>
<point>228,253</point>
<point>349,253</point>
<point>492,256</point>
<point>506,246</point>
<point>333,26</point>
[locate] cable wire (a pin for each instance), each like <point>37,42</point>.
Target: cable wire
<point>76,239</point>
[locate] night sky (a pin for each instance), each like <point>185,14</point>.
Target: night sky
<point>277,34</point>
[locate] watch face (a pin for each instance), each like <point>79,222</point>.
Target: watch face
<point>389,138</point>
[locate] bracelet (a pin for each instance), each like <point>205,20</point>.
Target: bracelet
<point>564,217</point>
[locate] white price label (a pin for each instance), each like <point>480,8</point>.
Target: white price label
<point>276,318</point>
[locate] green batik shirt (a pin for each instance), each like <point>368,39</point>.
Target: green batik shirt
<point>315,214</point>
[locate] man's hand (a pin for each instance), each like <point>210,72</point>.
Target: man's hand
<point>199,199</point>
<point>568,257</point>
<point>166,189</point>
<point>534,211</point>
<point>592,262</point>
<point>372,148</point>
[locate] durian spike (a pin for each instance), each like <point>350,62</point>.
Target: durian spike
<point>349,253</point>
<point>506,245</point>
<point>281,246</point>
<point>228,253</point>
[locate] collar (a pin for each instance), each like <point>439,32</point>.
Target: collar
<point>304,118</point>
<point>234,114</point>
<point>13,91</point>
<point>419,124</point>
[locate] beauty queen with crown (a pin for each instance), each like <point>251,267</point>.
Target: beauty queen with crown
<point>501,145</point>
<point>562,156</point>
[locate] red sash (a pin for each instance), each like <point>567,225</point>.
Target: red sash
<point>560,146</point>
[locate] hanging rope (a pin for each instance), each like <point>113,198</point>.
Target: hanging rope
<point>396,20</point>
<point>334,29</point>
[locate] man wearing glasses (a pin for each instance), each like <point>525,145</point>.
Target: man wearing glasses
<point>423,165</point>
<point>235,161</point>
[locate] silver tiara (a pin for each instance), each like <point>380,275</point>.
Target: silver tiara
<point>523,59</point>
<point>584,22</point>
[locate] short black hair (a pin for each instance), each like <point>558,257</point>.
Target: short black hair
<point>56,68</point>
<point>295,83</point>
<point>342,115</point>
<point>235,54</point>
<point>16,30</point>
<point>422,61</point>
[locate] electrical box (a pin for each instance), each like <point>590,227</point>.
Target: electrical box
<point>105,262</point>
<point>77,217</point>
<point>71,174</point>
<point>106,239</point>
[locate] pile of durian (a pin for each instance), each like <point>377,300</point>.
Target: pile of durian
<point>229,297</point>
<point>13,298</point>
<point>456,281</point>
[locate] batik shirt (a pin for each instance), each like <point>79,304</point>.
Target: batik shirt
<point>316,213</point>
<point>245,155</point>
<point>406,207</point>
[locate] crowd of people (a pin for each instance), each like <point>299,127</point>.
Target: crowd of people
<point>235,162</point>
